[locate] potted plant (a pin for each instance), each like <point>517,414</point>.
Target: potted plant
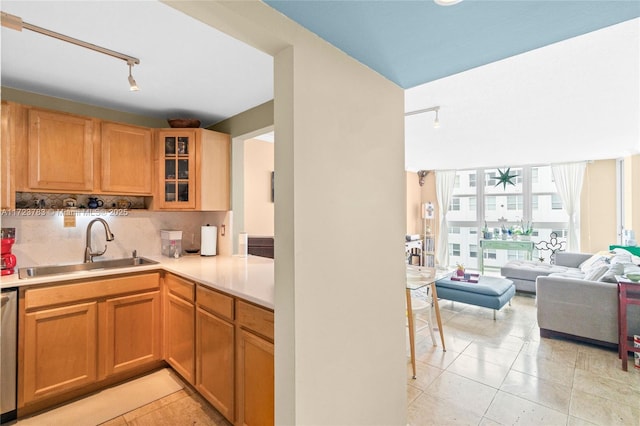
<point>459,269</point>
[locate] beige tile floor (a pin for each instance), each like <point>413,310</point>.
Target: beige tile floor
<point>502,373</point>
<point>493,373</point>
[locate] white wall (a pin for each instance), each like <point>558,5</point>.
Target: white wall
<point>340,325</point>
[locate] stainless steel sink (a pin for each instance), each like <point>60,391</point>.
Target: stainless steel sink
<point>43,271</point>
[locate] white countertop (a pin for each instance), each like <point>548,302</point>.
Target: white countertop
<point>250,278</point>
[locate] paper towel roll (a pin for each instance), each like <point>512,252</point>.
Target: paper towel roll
<point>243,244</point>
<point>208,240</point>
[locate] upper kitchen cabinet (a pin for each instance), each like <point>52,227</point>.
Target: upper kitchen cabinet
<point>127,158</point>
<point>59,151</point>
<point>194,167</point>
<point>52,151</point>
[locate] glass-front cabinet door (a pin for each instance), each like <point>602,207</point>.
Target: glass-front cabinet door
<point>177,169</point>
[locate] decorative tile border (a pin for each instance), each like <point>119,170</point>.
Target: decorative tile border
<point>26,200</point>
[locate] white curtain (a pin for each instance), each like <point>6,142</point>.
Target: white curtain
<point>568,178</point>
<point>444,192</point>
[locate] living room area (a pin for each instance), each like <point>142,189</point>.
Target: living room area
<point>497,368</point>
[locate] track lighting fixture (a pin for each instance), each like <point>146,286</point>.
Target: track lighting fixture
<point>16,23</point>
<point>446,2</point>
<point>436,121</point>
<point>133,86</point>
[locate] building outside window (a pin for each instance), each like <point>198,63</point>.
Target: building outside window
<point>533,198</point>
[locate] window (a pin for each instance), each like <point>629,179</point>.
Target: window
<point>456,183</point>
<point>490,254</point>
<point>515,255</point>
<point>490,203</point>
<point>491,179</point>
<point>514,202</point>
<point>533,199</point>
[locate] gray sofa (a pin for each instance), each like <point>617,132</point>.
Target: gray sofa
<point>582,303</point>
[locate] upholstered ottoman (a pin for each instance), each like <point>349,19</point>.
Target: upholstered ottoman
<point>488,292</point>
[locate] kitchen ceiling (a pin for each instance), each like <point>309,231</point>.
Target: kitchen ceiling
<point>189,69</point>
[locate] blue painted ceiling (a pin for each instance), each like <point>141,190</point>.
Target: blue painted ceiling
<point>415,42</point>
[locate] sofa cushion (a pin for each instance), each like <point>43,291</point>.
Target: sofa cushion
<point>595,273</point>
<point>610,275</point>
<point>596,260</point>
<point>569,273</point>
<point>528,269</point>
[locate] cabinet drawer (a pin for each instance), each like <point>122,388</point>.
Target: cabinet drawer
<point>180,287</point>
<point>255,318</point>
<point>215,302</point>
<point>95,289</point>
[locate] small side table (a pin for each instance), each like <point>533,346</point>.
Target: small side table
<point>628,294</point>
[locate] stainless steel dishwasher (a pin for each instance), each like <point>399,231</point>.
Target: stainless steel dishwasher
<point>8,354</point>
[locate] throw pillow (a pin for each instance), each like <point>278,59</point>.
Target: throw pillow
<point>610,275</point>
<point>595,273</point>
<point>621,256</point>
<point>595,260</point>
<point>630,268</point>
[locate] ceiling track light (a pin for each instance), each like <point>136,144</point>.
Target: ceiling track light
<point>16,23</point>
<point>446,2</point>
<point>133,86</point>
<point>436,109</point>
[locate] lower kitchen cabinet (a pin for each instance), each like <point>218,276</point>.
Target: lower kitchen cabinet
<point>78,334</point>
<point>215,350</point>
<point>254,366</point>
<point>133,331</point>
<point>78,337</point>
<point>60,351</point>
<point>179,326</point>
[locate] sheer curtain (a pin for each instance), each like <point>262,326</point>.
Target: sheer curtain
<point>444,192</point>
<point>568,178</point>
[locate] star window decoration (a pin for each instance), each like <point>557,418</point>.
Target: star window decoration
<point>504,178</point>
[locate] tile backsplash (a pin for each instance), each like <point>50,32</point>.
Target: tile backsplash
<point>42,239</point>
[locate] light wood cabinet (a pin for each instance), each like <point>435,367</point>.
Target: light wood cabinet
<point>215,350</point>
<point>78,334</point>
<point>133,332</point>
<point>126,159</point>
<point>60,151</point>
<point>179,326</point>
<point>193,170</point>
<point>60,349</point>
<point>7,156</point>
<point>254,365</point>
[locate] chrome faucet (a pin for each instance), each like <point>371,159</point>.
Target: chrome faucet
<point>88,254</point>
